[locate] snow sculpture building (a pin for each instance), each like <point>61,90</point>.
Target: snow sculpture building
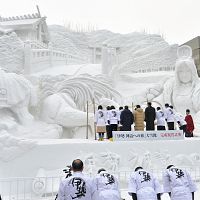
<point>32,47</point>
<point>30,27</point>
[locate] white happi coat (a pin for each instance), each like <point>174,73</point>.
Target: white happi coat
<point>100,118</point>
<point>169,114</point>
<point>76,187</point>
<point>144,184</point>
<point>107,187</point>
<point>179,183</point>
<point>160,116</point>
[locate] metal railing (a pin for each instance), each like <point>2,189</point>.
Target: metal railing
<point>36,188</point>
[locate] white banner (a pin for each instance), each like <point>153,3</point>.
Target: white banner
<point>147,135</point>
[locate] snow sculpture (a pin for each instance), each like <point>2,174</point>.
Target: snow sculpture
<point>109,58</point>
<point>16,94</point>
<point>146,161</point>
<point>183,90</point>
<point>11,53</point>
<point>90,163</point>
<point>64,99</point>
<point>133,160</point>
<point>110,160</point>
<point>184,87</point>
<point>13,147</point>
<point>42,183</point>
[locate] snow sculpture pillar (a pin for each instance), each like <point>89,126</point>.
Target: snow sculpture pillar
<point>50,54</point>
<point>27,57</point>
<point>105,60</point>
<point>109,58</point>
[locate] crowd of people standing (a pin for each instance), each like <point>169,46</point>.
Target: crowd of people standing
<point>149,119</point>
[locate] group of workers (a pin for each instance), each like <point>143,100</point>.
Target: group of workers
<point>142,185</point>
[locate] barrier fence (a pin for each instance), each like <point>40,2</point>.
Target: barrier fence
<point>36,188</point>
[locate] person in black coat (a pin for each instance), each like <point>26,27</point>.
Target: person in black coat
<point>126,119</point>
<point>150,116</point>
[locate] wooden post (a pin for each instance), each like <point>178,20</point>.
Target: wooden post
<point>87,121</point>
<point>93,101</point>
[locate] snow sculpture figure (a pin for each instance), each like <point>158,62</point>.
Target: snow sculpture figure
<point>64,99</point>
<point>16,95</point>
<point>110,160</point>
<point>183,90</point>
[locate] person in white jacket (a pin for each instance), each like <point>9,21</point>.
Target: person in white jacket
<point>100,121</point>
<point>169,116</point>
<point>181,122</point>
<point>78,186</point>
<point>143,185</point>
<point>178,183</point>
<point>107,186</point>
<point>113,120</point>
<point>160,117</point>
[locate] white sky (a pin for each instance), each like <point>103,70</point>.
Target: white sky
<point>177,20</point>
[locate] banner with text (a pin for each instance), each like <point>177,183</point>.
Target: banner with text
<point>147,135</point>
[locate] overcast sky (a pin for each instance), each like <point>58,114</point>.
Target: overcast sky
<point>177,20</point>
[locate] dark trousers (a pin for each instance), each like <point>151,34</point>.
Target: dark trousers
<point>150,126</point>
<point>183,128</point>
<point>170,125</point>
<point>159,128</point>
<point>113,127</point>
<point>101,135</point>
<point>125,128</point>
<point>108,131</point>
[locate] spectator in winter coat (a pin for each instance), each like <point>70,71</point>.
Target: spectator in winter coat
<point>107,186</point>
<point>126,119</point>
<point>150,116</point>
<point>190,124</point>
<point>160,117</point>
<point>139,118</point>
<point>143,185</point>
<point>178,184</point>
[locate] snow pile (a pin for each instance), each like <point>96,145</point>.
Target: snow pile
<point>12,147</point>
<point>11,53</point>
<point>138,51</point>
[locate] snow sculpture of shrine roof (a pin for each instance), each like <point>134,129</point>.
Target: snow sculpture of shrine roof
<point>32,27</point>
<point>22,23</point>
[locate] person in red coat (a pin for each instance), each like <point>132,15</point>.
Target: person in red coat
<point>190,124</point>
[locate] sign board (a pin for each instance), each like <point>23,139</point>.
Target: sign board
<point>147,135</point>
